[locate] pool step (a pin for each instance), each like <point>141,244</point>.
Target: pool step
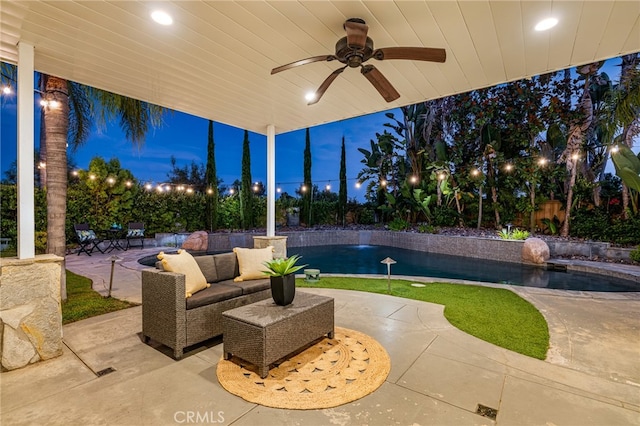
<point>558,267</point>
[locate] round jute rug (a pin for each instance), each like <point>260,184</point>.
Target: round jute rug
<point>332,372</point>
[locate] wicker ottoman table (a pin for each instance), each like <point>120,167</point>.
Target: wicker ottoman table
<point>263,332</point>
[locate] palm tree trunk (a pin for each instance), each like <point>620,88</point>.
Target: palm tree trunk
<point>494,199</point>
<point>56,118</point>
<point>532,214</point>
<point>479,207</point>
<point>565,226</point>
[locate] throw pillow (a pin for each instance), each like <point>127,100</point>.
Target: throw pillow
<point>184,263</point>
<point>251,261</point>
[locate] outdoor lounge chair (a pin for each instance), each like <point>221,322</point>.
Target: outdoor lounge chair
<point>87,239</point>
<point>135,231</point>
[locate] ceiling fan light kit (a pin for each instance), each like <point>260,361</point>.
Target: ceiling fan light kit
<point>355,49</point>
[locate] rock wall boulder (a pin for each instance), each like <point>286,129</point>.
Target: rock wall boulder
<point>198,241</point>
<point>535,250</point>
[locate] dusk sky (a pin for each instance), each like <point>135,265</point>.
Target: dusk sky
<point>185,137</point>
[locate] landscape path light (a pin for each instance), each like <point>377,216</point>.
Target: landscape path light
<point>388,261</point>
<point>113,260</point>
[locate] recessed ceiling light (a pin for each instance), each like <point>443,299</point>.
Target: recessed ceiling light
<point>546,24</point>
<point>310,96</point>
<point>161,17</point>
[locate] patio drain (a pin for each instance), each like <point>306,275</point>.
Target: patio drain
<point>105,371</point>
<point>488,412</point>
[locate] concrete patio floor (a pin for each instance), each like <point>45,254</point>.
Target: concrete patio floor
<point>439,374</point>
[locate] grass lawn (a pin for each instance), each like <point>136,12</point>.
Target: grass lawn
<point>83,302</point>
<point>495,315</point>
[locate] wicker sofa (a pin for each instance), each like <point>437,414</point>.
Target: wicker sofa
<point>178,322</point>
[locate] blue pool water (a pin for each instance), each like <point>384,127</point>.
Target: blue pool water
<point>366,260</point>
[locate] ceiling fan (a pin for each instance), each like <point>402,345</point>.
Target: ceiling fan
<point>355,49</point>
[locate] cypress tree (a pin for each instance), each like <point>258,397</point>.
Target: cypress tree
<point>306,195</point>
<point>246,193</point>
<point>211,182</point>
<point>342,195</point>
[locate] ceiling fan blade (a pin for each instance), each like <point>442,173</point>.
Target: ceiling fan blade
<point>356,32</point>
<point>380,82</point>
<point>325,85</point>
<point>413,53</point>
<point>303,62</point>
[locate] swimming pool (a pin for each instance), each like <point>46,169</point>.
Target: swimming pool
<point>364,259</point>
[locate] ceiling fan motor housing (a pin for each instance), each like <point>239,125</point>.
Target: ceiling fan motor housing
<point>353,56</point>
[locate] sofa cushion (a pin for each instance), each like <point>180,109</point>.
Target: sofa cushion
<point>207,265</point>
<point>252,286</point>
<point>216,293</point>
<point>226,266</point>
<point>183,263</point>
<point>251,262</point>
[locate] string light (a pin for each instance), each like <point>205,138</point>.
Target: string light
<point>475,172</point>
<point>358,184</point>
<point>542,161</point>
<point>575,156</point>
<point>383,182</point>
<point>6,90</point>
<point>615,149</point>
<point>508,167</point>
<point>413,179</point>
<point>441,176</point>
<point>328,187</point>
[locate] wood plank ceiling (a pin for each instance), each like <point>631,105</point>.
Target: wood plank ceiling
<point>215,60</point>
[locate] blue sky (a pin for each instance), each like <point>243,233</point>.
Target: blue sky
<point>185,137</point>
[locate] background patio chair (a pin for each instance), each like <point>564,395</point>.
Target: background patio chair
<point>135,231</point>
<point>87,239</point>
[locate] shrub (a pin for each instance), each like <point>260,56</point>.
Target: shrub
<point>516,234</point>
<point>635,255</point>
<point>398,224</point>
<point>425,228</point>
<point>444,216</point>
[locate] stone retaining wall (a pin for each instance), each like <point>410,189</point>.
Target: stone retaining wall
<point>30,312</point>
<point>481,248</point>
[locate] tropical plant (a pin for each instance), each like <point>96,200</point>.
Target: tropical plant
<point>398,224</point>
<point>575,139</point>
<point>515,234</point>
<point>280,267</point>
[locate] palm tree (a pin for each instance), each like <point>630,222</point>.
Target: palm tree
<point>69,111</point>
<point>575,139</point>
<point>624,111</point>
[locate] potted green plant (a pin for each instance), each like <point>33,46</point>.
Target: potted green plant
<point>283,282</point>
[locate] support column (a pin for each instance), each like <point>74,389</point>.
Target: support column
<point>271,180</point>
<point>26,203</point>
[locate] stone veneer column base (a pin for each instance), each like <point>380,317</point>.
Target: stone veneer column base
<point>30,310</point>
<point>278,242</point>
